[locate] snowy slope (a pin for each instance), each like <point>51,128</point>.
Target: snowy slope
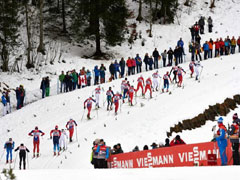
<point>133,126</point>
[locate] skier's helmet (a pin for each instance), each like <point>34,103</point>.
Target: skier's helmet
<point>36,128</point>
<point>56,127</point>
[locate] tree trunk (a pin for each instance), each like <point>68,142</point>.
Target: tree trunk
<point>63,17</point>
<point>151,18</point>
<point>58,5</point>
<point>97,28</point>
<point>5,59</point>
<point>41,48</point>
<point>29,38</point>
<point>140,18</point>
<point>212,5</point>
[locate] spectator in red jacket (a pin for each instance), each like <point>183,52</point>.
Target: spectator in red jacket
<point>177,141</point>
<point>129,65</point>
<point>238,43</point>
<point>217,48</point>
<point>133,66</point>
<point>221,45</point>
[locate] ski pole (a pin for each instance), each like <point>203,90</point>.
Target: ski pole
<point>27,161</point>
<point>15,161</point>
<point>83,114</point>
<point>77,137</point>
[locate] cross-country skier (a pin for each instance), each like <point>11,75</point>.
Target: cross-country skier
<point>55,134</point>
<point>155,80</point>
<point>63,141</point>
<point>148,86</point>
<point>109,94</point>
<point>180,76</point>
<point>191,67</point>
<point>22,155</point>
<point>97,95</point>
<point>131,91</point>
<point>174,70</point>
<point>115,100</point>
<point>197,69</point>
<point>140,84</point>
<point>124,88</point>
<point>36,140</point>
<point>9,146</point>
<point>70,126</point>
<point>166,79</point>
<point>89,102</point>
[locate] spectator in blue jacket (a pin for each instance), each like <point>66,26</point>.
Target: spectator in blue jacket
<point>117,70</point>
<point>180,44</point>
<point>4,102</point>
<point>96,74</point>
<point>138,63</point>
<point>122,64</point>
<point>150,63</point>
<point>102,154</point>
<point>9,146</point>
<point>88,77</point>
<point>222,141</point>
<point>205,49</point>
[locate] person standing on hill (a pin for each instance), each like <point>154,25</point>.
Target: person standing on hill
<point>138,63</point>
<point>97,74</point>
<point>122,64</point>
<point>22,155</point>
<point>47,86</point>
<point>146,61</point>
<point>43,87</point>
<point>62,82</point>
<point>103,154</point>
<point>129,65</point>
<point>70,127</point>
<point>221,138</point>
<point>102,73</point>
<point>201,24</point>
<point>234,139</point>
<point>210,24</point>
<point>170,56</point>
<point>156,56</point>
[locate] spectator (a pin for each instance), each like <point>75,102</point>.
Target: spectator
<point>181,53</point>
<point>145,147</point>
<point>192,49</point>
<point>205,49</point>
<point>22,95</point>
<point>62,83</point>
<point>222,141</point>
<point>226,46</point>
<point>82,71</point>
<point>102,73</point>
<point>198,39</point>
<point>43,87</point>
<point>96,75</point>
<point>217,48</point>
<point>164,57</point>
<point>103,154</point>
<point>146,61</point>
<point>192,32</point>
<point>47,86</point>
<point>180,44</point>
<point>116,66</point>
<point>75,79</point>
<point>150,63</point>
<point>238,43</point>
<point>210,44</point>
<point>88,77</point>
<point>196,29</point>
<point>138,63</point>
<point>129,65</point>
<point>118,149</point>
<point>4,102</point>
<point>122,66</point>
<point>170,56</point>
<point>67,80</point>
<point>176,55</point>
<point>234,139</point>
<point>177,141</point>
<point>135,149</point>
<point>201,24</point>
<point>210,24</point>
<point>198,51</point>
<point>154,145</point>
<point>233,45</point>
<point>221,45</point>
<point>133,65</point>
<point>112,70</point>
<point>167,142</point>
<point>156,56</point>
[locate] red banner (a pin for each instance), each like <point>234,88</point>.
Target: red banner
<point>181,155</point>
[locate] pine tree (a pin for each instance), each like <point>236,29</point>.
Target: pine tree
<point>167,10</point>
<point>88,15</point>
<point>9,29</point>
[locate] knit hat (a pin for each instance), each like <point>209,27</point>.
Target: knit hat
<point>235,116</point>
<point>220,120</point>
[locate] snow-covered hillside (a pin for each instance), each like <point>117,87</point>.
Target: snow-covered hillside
<point>146,122</point>
<point>133,126</point>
